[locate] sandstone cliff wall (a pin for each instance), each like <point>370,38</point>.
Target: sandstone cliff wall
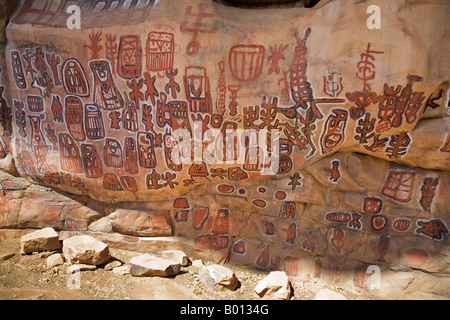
<point>333,121</point>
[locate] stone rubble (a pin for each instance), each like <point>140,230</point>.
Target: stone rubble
<point>113,264</point>
<point>276,286</point>
<point>54,260</point>
<point>214,277</point>
<point>217,277</point>
<point>148,265</point>
<point>177,256</point>
<point>80,267</point>
<point>40,240</point>
<point>85,249</point>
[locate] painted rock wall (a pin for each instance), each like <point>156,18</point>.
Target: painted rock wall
<point>312,140</point>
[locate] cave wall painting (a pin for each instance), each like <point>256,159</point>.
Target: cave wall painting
<point>143,114</point>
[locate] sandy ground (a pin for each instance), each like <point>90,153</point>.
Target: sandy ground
<point>27,277</point>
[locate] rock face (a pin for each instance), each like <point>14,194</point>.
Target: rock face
<point>139,223</point>
<point>40,240</point>
<point>85,250</point>
<point>313,141</point>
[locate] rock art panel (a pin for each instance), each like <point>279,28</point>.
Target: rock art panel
<point>280,140</point>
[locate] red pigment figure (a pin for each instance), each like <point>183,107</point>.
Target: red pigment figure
<point>35,103</point>
<point>70,159</point>
<point>74,78</point>
<point>309,244</point>
<point>111,182</point>
<point>302,94</point>
<point>251,114</point>
<point>160,50</point>
<point>398,146</point>
<point>38,145</point>
<point>136,95</point>
<point>43,81</point>
<point>276,54</point>
<point>20,116</point>
<point>246,61</point>
<point>291,233</point>
<point>146,150</point>
<point>28,55</point>
<point>365,72</point>
<point>335,174</point>
<point>74,115</point>
<point>111,50</point>
<point>434,228</point>
<point>129,60</point>
<point>57,109</point>
<point>232,107</point>
<point>115,119</point>
<point>364,129</point>
<point>332,84</point>
<point>93,120</point>
<point>198,94</point>
<point>172,153</point>
<point>151,91</point>
<point>222,89</point>
<point>129,115</point>
<point>300,86</point>
<point>130,155</point>
<point>429,187</point>
<point>172,87</point>
<point>334,130</point>
<point>399,185</point>
<point>92,163</point>
<point>198,26</point>
<point>392,106</point>
<point>51,136</point>
<point>95,47</point>
<point>53,60</point>
<point>112,153</point>
<point>106,94</point>
<point>295,180</point>
<point>17,69</point>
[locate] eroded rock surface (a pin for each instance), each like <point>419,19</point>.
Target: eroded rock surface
<point>334,128</point>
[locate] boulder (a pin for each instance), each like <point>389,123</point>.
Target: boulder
<point>177,256</point>
<point>216,277</point>
<point>276,286</point>
<point>85,249</point>
<point>148,265</point>
<point>40,240</point>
